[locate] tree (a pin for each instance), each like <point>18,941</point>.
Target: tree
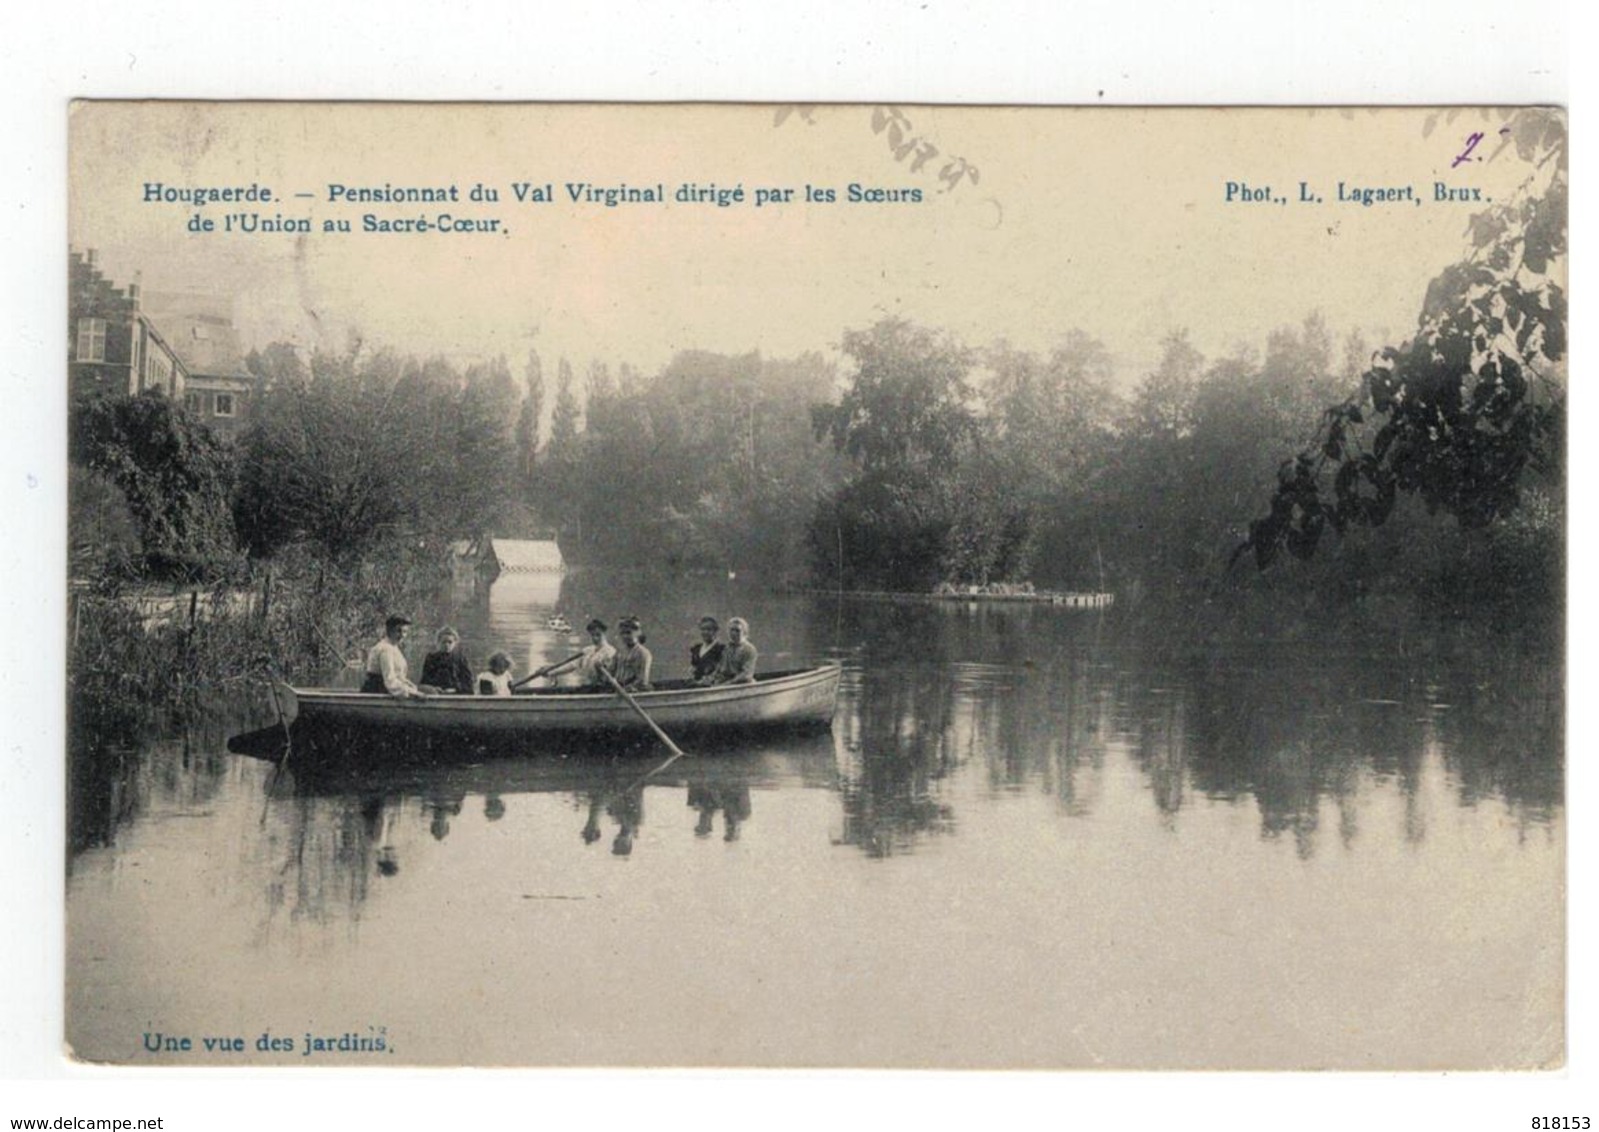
<point>563,425</point>
<point>907,406</point>
<point>1148,506</point>
<point>484,447</point>
<point>905,419</point>
<point>1163,405</point>
<point>1049,438</point>
<point>602,388</point>
<point>174,475</point>
<point>1057,409</point>
<point>992,525</point>
<point>1469,410</point>
<point>358,447</point>
<point>733,457</point>
<point>881,531</point>
<point>330,456</point>
<point>527,421</point>
<point>563,462</point>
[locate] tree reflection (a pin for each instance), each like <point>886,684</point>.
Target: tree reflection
<point>1305,738</point>
<point>899,746</point>
<point>117,769</point>
<point>1296,736</point>
<point>103,787</point>
<point>332,849</point>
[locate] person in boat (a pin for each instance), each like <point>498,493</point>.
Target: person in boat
<point>586,663</point>
<point>631,664</point>
<point>706,653</point>
<point>387,672</point>
<point>497,680</point>
<point>737,665</point>
<point>446,669</point>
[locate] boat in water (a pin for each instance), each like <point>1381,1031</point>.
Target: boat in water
<point>558,624</point>
<point>800,698</point>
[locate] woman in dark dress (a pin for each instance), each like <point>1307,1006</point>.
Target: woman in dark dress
<point>706,654</point>
<point>446,669</point>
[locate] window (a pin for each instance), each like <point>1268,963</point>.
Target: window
<point>91,339</point>
<point>158,368</point>
<point>224,405</point>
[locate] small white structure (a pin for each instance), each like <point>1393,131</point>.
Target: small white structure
<point>525,556</point>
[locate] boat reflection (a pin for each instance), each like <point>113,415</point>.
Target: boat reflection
<point>343,821</point>
<point>733,801</point>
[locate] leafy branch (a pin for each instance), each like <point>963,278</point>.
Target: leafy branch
<point>1451,415</point>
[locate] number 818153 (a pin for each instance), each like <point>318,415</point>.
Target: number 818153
<point>1560,1124</point>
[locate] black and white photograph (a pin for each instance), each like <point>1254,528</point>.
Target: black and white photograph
<point>838,585</point>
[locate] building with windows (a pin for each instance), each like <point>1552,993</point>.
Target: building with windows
<point>113,345</point>
<point>194,357</point>
<point>220,389</point>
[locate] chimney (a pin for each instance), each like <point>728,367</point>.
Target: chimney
<point>90,256</point>
<point>133,296</point>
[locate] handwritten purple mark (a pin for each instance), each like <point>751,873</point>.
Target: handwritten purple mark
<point>1471,143</point>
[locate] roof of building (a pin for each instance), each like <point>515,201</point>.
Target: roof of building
<point>528,556</point>
<point>199,328</point>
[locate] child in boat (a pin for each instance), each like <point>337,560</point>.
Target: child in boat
<point>497,680</point>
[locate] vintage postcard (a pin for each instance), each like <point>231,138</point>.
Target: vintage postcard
<point>816,586</point>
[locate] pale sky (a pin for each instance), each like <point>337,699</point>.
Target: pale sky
<point>1114,221</point>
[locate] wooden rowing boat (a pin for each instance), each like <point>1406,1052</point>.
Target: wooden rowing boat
<point>800,698</point>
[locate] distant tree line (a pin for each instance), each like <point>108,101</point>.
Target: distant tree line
<point>710,464</point>
<point>919,460</point>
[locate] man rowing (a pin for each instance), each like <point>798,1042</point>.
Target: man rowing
<point>588,662</point>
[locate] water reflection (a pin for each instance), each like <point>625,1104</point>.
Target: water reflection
<point>899,741</point>
<point>1301,742</point>
<point>708,798</point>
<point>1290,737</point>
<point>989,776</point>
<point>340,819</point>
<point>119,769</point>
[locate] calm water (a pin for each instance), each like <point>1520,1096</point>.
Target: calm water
<point>1029,840</point>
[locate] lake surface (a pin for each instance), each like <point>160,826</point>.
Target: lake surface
<point>1033,838</point>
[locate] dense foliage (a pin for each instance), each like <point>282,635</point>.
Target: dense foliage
<point>174,476</point>
<point>710,466</point>
<point>355,448</point>
<point>1468,415</point>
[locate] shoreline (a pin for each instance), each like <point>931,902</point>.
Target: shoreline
<point>1065,600</point>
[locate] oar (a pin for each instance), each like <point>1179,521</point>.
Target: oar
<point>677,752</point>
<point>532,676</point>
